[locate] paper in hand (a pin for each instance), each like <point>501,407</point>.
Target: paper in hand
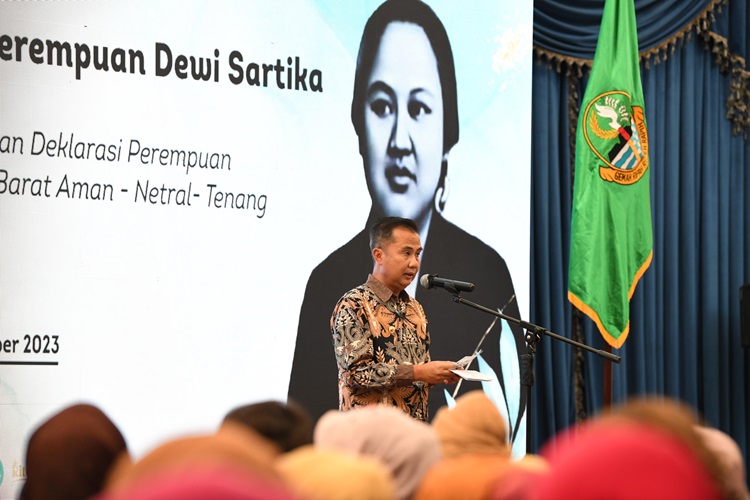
<point>463,363</point>
<point>472,375</point>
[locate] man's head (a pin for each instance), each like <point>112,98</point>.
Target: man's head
<point>404,107</point>
<point>396,249</point>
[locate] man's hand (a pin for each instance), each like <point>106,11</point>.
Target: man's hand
<point>436,372</point>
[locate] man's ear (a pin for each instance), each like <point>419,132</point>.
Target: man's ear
<point>377,254</point>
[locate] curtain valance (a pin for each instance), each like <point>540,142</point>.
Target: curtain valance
<point>566,31</point>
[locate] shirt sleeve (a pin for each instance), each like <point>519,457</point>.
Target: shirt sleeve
<point>353,346</point>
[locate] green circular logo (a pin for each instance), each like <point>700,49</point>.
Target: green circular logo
<point>2,472</point>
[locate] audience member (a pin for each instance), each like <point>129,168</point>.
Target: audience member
<point>316,474</point>
<point>214,482</point>
<point>515,481</point>
<point>474,440</point>
<point>676,418</point>
<point>729,457</point>
<point>473,426</point>
<point>406,446</point>
<point>70,455</point>
<point>288,425</point>
<point>638,450</point>
<point>234,450</point>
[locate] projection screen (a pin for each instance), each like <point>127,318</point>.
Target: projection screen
<point>171,173</point>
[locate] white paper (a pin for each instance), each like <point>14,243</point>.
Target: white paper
<point>472,375</point>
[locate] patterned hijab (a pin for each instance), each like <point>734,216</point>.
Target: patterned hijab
<point>407,447</point>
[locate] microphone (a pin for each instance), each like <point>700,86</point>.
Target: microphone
<point>432,281</point>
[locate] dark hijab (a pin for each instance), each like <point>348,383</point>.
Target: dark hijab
<point>69,456</point>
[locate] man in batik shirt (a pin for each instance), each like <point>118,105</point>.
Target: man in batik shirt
<point>380,334</point>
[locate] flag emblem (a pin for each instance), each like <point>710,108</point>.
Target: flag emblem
<point>615,131</point>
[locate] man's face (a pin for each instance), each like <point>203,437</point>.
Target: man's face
<point>398,259</point>
<point>403,124</point>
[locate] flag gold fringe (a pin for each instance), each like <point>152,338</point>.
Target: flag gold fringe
<point>738,102</point>
<point>591,313</point>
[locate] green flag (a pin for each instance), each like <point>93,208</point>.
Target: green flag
<point>611,240</point>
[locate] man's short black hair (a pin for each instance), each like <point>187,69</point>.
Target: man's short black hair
<point>382,231</point>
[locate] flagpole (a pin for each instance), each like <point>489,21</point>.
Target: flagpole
<point>579,382</point>
<point>607,381</point>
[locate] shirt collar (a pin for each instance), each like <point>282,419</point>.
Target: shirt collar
<point>383,292</point>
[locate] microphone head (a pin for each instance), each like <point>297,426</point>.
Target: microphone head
<point>425,280</point>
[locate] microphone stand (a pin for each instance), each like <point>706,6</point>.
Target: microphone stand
<point>533,335</point>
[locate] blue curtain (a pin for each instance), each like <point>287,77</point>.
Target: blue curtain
<point>685,339</point>
<point>571,27</point>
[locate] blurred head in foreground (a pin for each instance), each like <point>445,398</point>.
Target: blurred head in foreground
<point>335,475</point>
<point>70,455</point>
<point>645,448</point>
<point>288,425</point>
<point>235,462</point>
<point>407,447</point>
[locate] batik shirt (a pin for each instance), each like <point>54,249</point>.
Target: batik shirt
<point>378,337</point>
